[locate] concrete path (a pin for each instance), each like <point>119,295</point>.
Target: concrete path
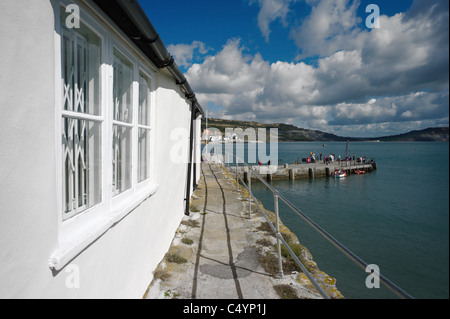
<point>216,252</point>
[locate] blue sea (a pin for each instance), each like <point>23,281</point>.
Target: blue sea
<point>396,217</point>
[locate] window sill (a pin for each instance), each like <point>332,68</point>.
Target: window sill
<point>74,243</point>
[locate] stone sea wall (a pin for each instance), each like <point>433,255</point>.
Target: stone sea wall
<point>326,282</point>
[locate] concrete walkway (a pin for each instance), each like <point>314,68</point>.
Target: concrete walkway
<point>217,250</point>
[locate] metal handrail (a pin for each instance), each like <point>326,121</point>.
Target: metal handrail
<point>352,256</point>
<point>276,230</point>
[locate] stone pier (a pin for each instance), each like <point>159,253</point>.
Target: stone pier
<point>297,171</point>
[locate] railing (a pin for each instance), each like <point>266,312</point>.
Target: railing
<point>276,229</point>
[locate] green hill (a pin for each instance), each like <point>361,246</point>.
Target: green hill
<point>288,132</point>
<point>432,134</point>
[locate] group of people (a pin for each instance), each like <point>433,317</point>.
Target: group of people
<point>332,157</point>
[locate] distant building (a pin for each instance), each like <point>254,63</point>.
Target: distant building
<point>99,133</point>
<point>213,135</point>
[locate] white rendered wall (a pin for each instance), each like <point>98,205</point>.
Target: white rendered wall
<point>119,264</point>
<point>197,146</point>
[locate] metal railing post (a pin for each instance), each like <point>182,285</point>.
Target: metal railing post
<point>249,176</point>
<point>280,264</point>
<point>237,175</point>
<point>276,229</point>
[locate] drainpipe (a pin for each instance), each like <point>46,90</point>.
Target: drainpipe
<point>189,167</point>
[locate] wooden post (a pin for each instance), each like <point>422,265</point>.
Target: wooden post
<point>237,175</point>
<point>291,174</point>
<point>249,183</point>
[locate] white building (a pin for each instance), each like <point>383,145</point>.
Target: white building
<point>98,125</point>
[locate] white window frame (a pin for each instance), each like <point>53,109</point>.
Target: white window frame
<point>73,114</point>
<point>120,199</point>
<point>79,230</point>
<point>148,127</point>
<point>128,125</point>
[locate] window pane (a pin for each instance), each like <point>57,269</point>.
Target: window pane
<point>144,99</point>
<point>121,159</point>
<point>81,61</point>
<point>81,141</point>
<point>144,155</point>
<point>122,89</point>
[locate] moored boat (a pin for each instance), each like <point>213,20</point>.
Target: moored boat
<point>339,173</point>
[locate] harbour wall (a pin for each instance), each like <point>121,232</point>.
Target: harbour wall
<point>297,171</point>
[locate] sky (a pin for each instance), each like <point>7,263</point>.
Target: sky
<point>327,65</point>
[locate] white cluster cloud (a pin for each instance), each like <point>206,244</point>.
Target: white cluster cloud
<point>367,79</point>
<point>331,26</point>
<point>184,53</point>
<point>272,10</point>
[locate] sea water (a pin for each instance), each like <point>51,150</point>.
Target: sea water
<point>396,217</point>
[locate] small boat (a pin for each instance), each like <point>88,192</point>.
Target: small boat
<point>339,173</point>
<point>359,172</point>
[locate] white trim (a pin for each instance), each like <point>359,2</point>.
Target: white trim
<point>74,245</point>
<point>124,124</point>
<point>148,127</point>
<point>82,116</point>
<point>58,116</point>
<point>60,113</point>
<point>144,127</point>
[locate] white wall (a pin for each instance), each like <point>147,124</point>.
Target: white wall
<point>197,148</point>
<point>118,264</point>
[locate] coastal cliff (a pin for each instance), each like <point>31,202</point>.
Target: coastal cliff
<point>291,133</point>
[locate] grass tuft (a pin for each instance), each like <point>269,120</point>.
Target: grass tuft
<point>286,292</point>
<point>187,241</point>
<point>176,259</point>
